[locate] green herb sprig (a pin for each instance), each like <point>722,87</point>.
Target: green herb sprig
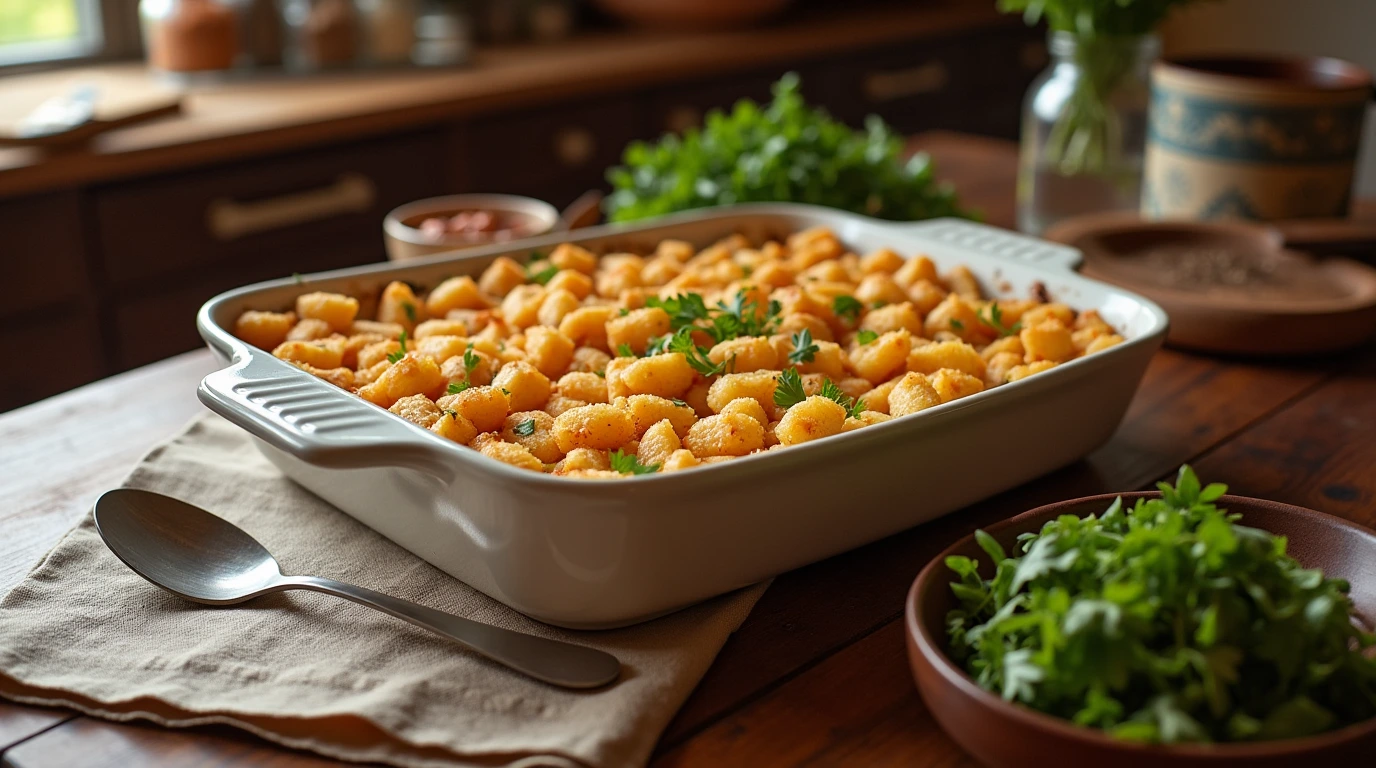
<point>628,464</point>
<point>785,151</point>
<point>395,357</point>
<point>1166,621</point>
<point>804,350</point>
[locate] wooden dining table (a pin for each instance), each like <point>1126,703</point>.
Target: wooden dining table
<point>817,674</point>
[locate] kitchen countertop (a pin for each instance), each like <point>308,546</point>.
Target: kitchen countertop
<point>239,118</point>
<point>817,674</point>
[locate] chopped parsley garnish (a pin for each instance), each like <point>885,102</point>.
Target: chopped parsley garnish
<point>683,309</point>
<point>847,307</point>
<point>866,336</point>
<point>956,324</point>
<point>410,310</point>
<point>678,402</point>
<point>525,428</point>
<point>995,321</point>
<point>657,344</point>
<point>834,393</point>
<point>878,304</point>
<point>298,279</point>
<point>628,464</point>
<point>543,276</point>
<point>803,349</point>
<point>624,350</point>
<point>788,390</point>
<point>623,312</point>
<point>455,387</point>
<point>743,318</point>
<point>394,357</point>
<point>601,374</point>
<point>470,361</point>
<point>682,341</point>
<point>1163,621</point>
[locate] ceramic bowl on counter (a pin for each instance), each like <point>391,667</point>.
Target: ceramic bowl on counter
<point>452,222</point>
<point>1003,734</point>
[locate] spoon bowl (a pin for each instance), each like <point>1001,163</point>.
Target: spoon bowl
<point>183,549</point>
<point>207,559</point>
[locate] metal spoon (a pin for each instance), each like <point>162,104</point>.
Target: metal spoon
<point>206,559</point>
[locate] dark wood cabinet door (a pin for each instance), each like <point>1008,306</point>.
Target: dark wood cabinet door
<point>555,153</point>
<point>42,252</point>
<point>262,210</point>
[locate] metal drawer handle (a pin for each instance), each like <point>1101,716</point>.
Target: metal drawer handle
<point>915,81</point>
<point>229,219</point>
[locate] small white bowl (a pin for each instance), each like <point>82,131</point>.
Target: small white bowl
<point>406,241</point>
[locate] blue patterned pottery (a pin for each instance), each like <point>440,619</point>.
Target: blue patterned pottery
<point>1253,138</point>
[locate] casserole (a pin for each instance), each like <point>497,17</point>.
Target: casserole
<point>586,554</point>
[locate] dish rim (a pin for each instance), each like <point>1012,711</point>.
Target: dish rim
<point>241,354</point>
<point>933,650</point>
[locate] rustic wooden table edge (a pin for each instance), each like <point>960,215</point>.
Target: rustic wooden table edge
<point>817,672</point>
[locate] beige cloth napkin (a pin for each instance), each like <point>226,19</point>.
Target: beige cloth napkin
<point>320,673</point>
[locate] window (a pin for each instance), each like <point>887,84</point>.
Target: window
<point>34,32</point>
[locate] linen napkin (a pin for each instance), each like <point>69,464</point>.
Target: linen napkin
<point>319,673</point>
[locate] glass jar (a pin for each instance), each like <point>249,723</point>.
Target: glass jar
<point>1084,129</point>
<point>324,34</point>
<point>183,36</point>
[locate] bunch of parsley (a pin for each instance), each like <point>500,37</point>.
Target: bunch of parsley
<point>785,151</point>
<point>1165,622</point>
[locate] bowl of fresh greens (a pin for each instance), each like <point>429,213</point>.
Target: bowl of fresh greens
<point>786,151</point>
<point>1182,625</point>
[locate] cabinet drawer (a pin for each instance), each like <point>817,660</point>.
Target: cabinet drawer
<point>914,86</point>
<point>554,154</point>
<point>185,223</point>
<point>43,258</point>
<point>152,324</point>
<point>74,339</point>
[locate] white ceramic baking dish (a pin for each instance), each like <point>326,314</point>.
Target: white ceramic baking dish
<point>593,554</point>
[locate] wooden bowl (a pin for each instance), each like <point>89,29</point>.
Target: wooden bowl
<point>999,733</point>
<point>1229,286</point>
<point>405,241</point>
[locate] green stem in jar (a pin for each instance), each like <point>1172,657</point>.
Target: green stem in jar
<point>1087,136</point>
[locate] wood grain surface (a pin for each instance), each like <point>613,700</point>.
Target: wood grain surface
<point>817,674</point>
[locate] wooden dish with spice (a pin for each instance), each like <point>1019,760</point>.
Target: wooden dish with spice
<point>1230,286</point>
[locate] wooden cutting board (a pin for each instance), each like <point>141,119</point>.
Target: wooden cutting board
<point>125,98</point>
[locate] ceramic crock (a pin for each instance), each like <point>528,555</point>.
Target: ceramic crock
<point>1249,138</point>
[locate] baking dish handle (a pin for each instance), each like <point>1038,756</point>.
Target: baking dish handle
<point>996,242</point>
<point>295,412</point>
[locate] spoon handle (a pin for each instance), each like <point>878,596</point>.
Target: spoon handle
<point>553,661</point>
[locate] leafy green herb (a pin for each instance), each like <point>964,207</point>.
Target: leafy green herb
<point>470,361</point>
<point>788,390</point>
<point>678,402</point>
<point>410,310</point>
<point>803,349</point>
<point>683,309</point>
<point>297,278</point>
<point>1164,622</point>
<point>682,341</point>
<point>958,325</point>
<point>785,151</point>
<point>394,357</point>
<point>455,387</point>
<point>628,464</point>
<point>543,276</point>
<point>506,391</point>
<point>834,393</point>
<point>657,344</point>
<point>601,374</point>
<point>866,336</point>
<point>878,304</point>
<point>743,318</point>
<point>847,308</point>
<point>995,321</point>
<point>525,428</point>
<point>624,350</point>
<point>623,312</point>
